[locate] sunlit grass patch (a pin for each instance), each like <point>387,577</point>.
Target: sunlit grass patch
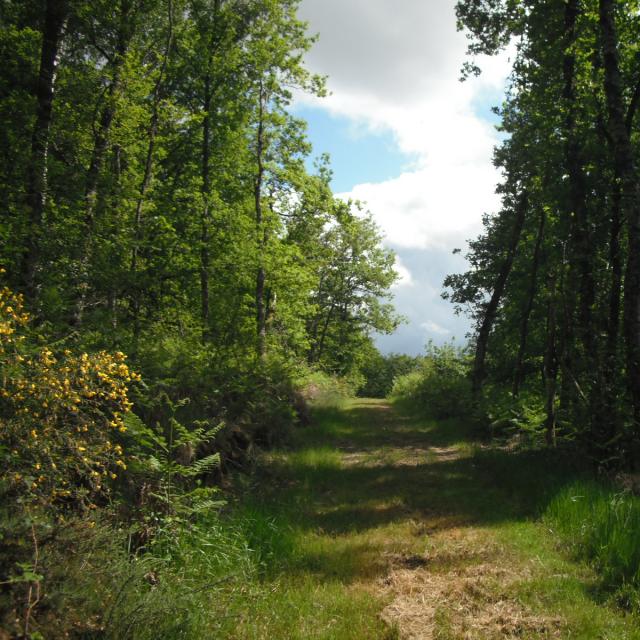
<point>372,509</point>
<point>553,581</point>
<point>302,608</point>
<point>314,459</point>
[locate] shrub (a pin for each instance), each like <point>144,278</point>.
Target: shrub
<point>507,415</point>
<point>380,372</point>
<point>61,416</point>
<point>440,387</point>
<point>321,389</point>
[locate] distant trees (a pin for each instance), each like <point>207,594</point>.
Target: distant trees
<point>554,280</point>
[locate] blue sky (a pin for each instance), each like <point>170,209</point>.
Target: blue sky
<point>357,155</point>
<point>409,140</point>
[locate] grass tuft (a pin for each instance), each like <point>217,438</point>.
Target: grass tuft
<point>601,524</point>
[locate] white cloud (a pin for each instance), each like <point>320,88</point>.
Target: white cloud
<point>435,206</point>
<point>395,67</point>
<point>405,279</point>
<point>396,51</point>
<point>434,327</point>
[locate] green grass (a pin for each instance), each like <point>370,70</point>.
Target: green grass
<point>343,518</point>
<point>303,551</point>
<point>601,524</point>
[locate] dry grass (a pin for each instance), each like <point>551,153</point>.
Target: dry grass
<point>462,590</point>
<point>460,587</point>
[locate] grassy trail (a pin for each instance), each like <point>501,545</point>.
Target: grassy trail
<point>377,524</point>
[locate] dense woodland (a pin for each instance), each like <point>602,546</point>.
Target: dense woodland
<point>554,281</point>
<point>154,184</point>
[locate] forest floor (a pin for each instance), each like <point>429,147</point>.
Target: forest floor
<point>393,526</point>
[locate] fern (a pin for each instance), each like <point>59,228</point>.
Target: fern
<point>178,485</point>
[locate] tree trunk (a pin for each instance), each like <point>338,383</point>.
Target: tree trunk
<point>205,219</point>
<point>577,196</point>
<point>206,213</point>
<point>100,146</point>
<point>36,187</point>
<point>323,335</point>
<point>148,174</point>
<point>261,316</point>
<point>551,365</point>
<point>498,290</point>
<point>615,288</point>
<point>630,200</point>
<point>533,285</point>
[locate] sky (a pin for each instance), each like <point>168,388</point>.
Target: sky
<point>409,140</point>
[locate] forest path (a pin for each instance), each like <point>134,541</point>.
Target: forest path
<point>424,529</point>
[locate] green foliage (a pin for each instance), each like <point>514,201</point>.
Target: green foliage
<point>508,416</point>
<point>320,389</point>
<point>381,371</point>
<point>172,470</point>
<point>440,386</point>
<point>552,277</point>
<point>155,201</point>
<point>186,588</point>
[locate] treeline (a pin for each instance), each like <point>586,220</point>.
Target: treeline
<point>554,283</point>
<point>173,278</point>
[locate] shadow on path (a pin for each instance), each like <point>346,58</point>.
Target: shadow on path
<point>395,470</point>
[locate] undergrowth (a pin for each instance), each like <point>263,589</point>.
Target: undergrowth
<point>601,524</point>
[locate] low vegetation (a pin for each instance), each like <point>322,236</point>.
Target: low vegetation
<point>186,317</point>
<point>601,523</point>
<point>439,383</point>
<point>596,519</point>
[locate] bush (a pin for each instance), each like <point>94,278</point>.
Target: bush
<point>507,415</point>
<point>61,417</point>
<point>380,373</point>
<point>110,520</point>
<point>189,584</point>
<point>440,387</point>
<point>321,389</point>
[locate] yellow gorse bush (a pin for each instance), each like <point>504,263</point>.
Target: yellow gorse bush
<point>60,417</point>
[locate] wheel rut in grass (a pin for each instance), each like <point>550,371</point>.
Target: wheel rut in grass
<point>411,492</point>
<point>421,532</point>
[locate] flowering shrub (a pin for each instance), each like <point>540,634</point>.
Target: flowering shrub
<point>60,417</point>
